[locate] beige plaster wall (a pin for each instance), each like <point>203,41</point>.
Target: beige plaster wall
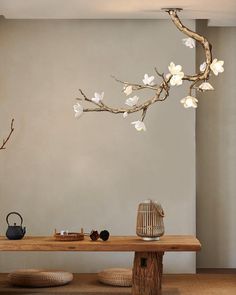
<point>216,157</point>
<point>63,173</point>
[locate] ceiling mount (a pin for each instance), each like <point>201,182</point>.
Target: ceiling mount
<point>167,9</point>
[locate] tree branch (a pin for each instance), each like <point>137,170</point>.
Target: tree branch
<point>207,47</point>
<point>3,146</point>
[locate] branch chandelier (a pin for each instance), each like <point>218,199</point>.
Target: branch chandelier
<point>161,90</point>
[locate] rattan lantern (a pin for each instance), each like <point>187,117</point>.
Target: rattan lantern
<point>150,225</point>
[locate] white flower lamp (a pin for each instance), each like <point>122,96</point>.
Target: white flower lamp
<point>150,225</point>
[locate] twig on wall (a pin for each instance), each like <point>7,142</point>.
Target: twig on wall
<point>3,146</point>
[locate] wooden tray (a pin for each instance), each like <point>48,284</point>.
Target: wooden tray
<point>69,237</point>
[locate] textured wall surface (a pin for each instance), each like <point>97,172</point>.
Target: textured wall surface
<point>64,173</point>
<point>216,156</point>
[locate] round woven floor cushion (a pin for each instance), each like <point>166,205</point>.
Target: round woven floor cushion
<point>39,278</point>
<point>116,277</point>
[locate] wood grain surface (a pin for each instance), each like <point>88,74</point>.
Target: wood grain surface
<point>147,273</point>
<point>87,284</point>
<point>114,244</point>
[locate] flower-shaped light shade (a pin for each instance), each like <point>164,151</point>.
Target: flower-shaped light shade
<point>128,89</point>
<point>205,86</point>
<point>189,42</point>
<point>202,67</point>
<point>132,101</point>
<point>125,114</point>
<point>177,74</point>
<point>217,66</point>
<point>78,109</point>
<point>176,80</point>
<point>139,125</point>
<point>174,69</point>
<point>148,80</point>
<point>189,102</point>
<point>98,97</point>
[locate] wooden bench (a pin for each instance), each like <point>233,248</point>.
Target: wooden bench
<point>147,268</point>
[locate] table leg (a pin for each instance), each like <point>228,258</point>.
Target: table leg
<point>147,273</point>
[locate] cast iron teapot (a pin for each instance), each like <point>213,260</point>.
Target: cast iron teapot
<point>15,232</point>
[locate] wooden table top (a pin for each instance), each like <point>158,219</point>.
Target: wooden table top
<point>114,244</point>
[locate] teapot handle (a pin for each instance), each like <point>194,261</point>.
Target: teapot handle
<point>16,213</point>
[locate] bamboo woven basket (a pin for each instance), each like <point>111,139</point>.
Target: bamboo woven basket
<point>38,278</point>
<point>150,225</point>
<point>121,277</point>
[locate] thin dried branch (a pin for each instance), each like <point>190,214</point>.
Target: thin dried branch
<point>136,86</point>
<point>3,146</point>
<point>88,99</point>
<point>144,114</point>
